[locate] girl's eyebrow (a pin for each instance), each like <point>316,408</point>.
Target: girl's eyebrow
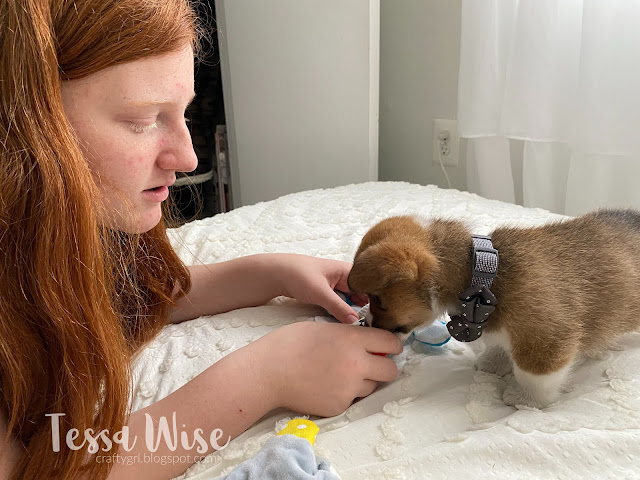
<point>153,103</point>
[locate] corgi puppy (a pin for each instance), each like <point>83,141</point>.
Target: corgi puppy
<point>562,290</point>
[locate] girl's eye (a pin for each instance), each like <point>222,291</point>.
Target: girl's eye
<point>138,128</point>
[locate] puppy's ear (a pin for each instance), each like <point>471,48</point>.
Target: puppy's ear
<point>385,263</point>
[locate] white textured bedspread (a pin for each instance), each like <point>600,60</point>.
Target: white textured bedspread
<point>439,418</point>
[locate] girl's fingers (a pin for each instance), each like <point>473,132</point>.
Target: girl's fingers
<point>382,369</point>
<point>367,388</point>
<point>381,341</point>
<point>342,284</point>
<point>336,306</point>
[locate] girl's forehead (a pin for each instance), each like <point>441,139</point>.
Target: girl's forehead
<point>157,79</point>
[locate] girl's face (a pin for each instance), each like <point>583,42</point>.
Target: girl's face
<point>129,121</point>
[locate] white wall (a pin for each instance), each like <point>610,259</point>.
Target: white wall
<point>300,82</point>
<point>419,57</point>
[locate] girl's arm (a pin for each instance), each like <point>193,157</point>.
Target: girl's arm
<point>230,396</point>
<point>225,286</point>
<point>254,280</point>
<point>308,367</point>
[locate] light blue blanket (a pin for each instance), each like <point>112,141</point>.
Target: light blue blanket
<point>284,457</point>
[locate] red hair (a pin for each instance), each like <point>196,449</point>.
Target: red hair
<point>76,299</point>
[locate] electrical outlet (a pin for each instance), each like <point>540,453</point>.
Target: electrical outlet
<point>446,143</point>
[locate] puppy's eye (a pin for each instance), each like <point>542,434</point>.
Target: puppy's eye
<point>377,302</point>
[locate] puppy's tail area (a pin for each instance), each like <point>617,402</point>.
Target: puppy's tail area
<point>628,217</point>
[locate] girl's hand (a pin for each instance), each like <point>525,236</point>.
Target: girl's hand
<point>313,280</point>
<point>319,368</point>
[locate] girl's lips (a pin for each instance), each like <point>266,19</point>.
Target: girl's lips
<point>159,194</point>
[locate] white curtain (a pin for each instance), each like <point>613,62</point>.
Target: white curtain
<point>562,76</point>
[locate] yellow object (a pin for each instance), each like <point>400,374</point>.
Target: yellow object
<point>302,428</point>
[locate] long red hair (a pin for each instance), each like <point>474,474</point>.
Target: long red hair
<point>76,300</point>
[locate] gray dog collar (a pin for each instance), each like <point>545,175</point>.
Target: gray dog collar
<point>476,302</point>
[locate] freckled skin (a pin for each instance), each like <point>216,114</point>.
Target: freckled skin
<point>129,120</point>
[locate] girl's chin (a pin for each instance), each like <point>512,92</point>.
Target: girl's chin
<point>148,221</point>
<point>137,222</point>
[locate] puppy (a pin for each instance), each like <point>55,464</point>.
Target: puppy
<point>563,290</point>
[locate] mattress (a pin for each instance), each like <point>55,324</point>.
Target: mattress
<point>440,418</point>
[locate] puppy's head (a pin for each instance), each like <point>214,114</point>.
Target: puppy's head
<point>396,269</point>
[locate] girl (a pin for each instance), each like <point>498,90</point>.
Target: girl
<point>92,134</point>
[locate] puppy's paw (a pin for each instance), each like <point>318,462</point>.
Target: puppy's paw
<point>494,360</point>
<point>515,395</point>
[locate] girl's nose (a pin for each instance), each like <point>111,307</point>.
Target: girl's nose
<point>180,155</point>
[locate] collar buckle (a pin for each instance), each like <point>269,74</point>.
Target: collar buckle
<point>484,266</point>
<point>480,273</point>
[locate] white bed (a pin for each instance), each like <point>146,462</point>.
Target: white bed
<point>439,418</point>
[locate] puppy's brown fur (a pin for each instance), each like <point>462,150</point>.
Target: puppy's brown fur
<point>563,289</point>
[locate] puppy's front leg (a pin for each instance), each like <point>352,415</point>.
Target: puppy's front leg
<point>494,359</point>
